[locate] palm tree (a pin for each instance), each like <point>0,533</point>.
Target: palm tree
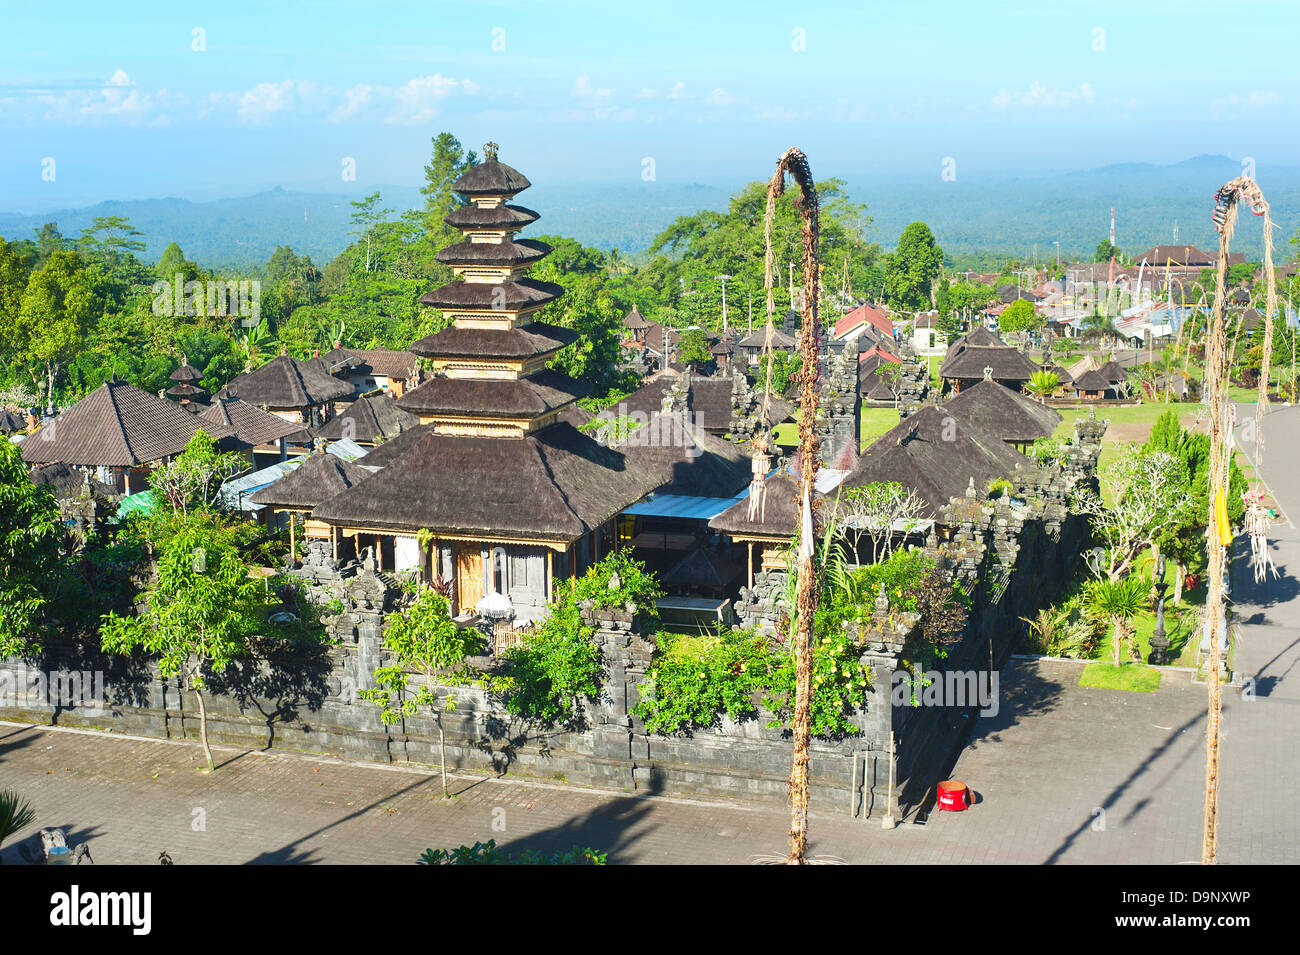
<point>15,813</point>
<point>1043,383</point>
<point>1117,602</point>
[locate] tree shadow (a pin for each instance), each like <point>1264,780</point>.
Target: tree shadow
<point>277,680</point>
<point>1148,766</point>
<point>608,828</point>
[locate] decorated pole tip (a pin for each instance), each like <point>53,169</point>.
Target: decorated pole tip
<point>490,152</point>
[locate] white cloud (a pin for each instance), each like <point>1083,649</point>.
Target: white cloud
<point>679,91</point>
<point>646,93</point>
<point>1040,96</point>
<point>1255,99</point>
<point>420,99</point>
<point>720,97</point>
<point>116,99</point>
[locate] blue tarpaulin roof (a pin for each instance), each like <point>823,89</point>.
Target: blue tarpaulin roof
<point>684,506</point>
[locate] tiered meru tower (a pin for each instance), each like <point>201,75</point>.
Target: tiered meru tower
<point>490,369</point>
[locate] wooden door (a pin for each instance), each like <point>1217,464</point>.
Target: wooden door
<point>469,577</point>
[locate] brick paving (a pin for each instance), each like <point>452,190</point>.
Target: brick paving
<point>1063,775</point>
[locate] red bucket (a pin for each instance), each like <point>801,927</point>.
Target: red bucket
<point>953,796</point>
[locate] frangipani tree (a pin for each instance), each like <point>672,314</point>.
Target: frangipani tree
<point>1146,496</point>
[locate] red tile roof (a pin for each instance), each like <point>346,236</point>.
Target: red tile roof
<point>872,314</point>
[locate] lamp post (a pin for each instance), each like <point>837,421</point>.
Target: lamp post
<point>1159,639</point>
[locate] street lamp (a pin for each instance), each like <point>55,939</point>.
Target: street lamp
<point>1159,639</point>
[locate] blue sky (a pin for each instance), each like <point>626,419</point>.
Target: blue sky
<point>281,93</point>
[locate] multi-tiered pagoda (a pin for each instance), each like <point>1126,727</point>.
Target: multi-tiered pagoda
<point>513,495</point>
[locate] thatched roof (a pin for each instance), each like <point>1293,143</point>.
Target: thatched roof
<point>251,425</point>
<point>1113,372</point>
<point>499,217</point>
<point>491,178</point>
<point>10,422</point>
<point>703,567</point>
<point>780,512</point>
<point>700,464</point>
<point>186,372</point>
<point>510,253</point>
<point>759,339</point>
<point>506,296</point>
<point>635,320</point>
<point>555,484</point>
<point>937,452</point>
<point>117,425</point>
<point>185,390</point>
<point>979,336</point>
<point>498,398</point>
<point>390,362</point>
<point>1008,414</point>
<point>708,399</point>
<point>969,362</point>
<point>368,421</point>
<point>1093,381</point>
<point>286,382</point>
<point>319,478</point>
<point>67,482</point>
<point>522,343</point>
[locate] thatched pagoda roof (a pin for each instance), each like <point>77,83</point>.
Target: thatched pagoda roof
<point>185,390</point>
<point>491,178</point>
<point>286,382</point>
<point>1093,381</point>
<point>498,398</point>
<point>1008,414</point>
<point>937,452</point>
<point>522,343</point>
<point>507,296</point>
<point>320,477</point>
<point>552,485</point>
<point>368,421</point>
<point>250,424</point>
<point>512,253</point>
<point>186,372</point>
<point>758,339</point>
<point>635,320</point>
<point>499,217</point>
<point>117,425</point>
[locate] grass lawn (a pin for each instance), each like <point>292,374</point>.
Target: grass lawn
<point>1107,676</point>
<point>875,422</point>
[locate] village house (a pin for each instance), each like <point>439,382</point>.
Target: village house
<point>297,391</point>
<point>969,356</point>
<point>120,432</point>
<point>368,369</point>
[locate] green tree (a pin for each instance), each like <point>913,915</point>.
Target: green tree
<point>911,270</point>
<point>1106,250</point>
<point>785,370</point>
<point>16,814</point>
<point>1043,383</point>
<point>54,319</point>
<point>31,535</point>
<point>365,217</point>
<point>1117,602</point>
<point>693,349</point>
<point>427,641</point>
<point>112,239</point>
<point>1020,316</point>
<point>198,616</point>
<point>448,163</point>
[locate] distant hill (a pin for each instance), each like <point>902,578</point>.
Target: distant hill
<point>973,215</point>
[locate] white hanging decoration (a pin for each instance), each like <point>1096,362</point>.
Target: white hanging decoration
<point>1257,524</point>
<point>757,509</point>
